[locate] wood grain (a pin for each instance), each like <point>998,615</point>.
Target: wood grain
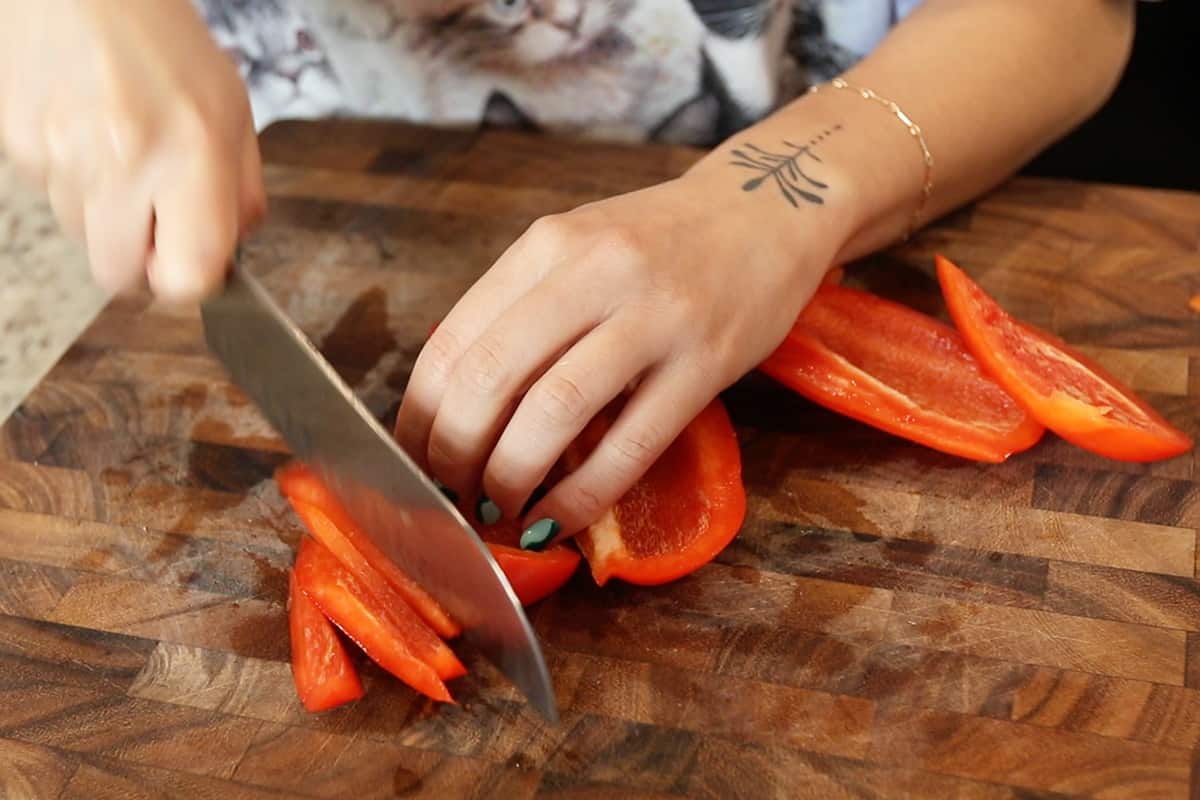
<point>891,622</point>
<point>176,614</point>
<point>280,757</point>
<point>114,779</point>
<point>1015,754</point>
<point>33,772</point>
<point>1039,637</point>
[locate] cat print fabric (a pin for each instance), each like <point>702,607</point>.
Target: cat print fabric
<point>688,71</point>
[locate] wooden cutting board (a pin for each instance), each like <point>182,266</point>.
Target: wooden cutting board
<point>890,622</point>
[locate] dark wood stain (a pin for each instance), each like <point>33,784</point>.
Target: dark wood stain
<point>890,622</point>
<point>1142,498</point>
<point>360,337</point>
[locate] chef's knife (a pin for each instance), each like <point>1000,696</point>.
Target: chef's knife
<point>399,507</point>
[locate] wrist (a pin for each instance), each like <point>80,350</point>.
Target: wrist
<point>788,246</point>
<point>872,171</point>
<point>782,186</point>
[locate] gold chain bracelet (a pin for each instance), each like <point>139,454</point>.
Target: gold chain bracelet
<point>913,128</point>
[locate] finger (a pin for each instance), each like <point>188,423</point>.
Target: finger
<point>666,402</point>
<point>21,136</point>
<point>70,166</point>
<point>66,203</point>
<point>495,370</point>
<point>513,275</point>
<point>558,407</point>
<point>118,225</point>
<point>195,227</point>
<point>25,153</point>
<point>253,195</point>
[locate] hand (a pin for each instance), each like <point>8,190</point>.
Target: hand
<point>139,130</point>
<point>675,291</point>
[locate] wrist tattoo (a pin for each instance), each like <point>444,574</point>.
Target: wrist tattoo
<point>785,169</point>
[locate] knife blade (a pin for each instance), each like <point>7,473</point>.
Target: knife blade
<point>326,426</point>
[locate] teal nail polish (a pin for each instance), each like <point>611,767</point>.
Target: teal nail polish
<point>486,511</point>
<point>539,534</point>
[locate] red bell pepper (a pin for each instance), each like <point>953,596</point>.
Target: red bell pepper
<point>680,515</point>
<point>901,371</point>
<point>325,678</point>
<point>299,484</point>
<point>1060,387</point>
<point>533,576</point>
<point>346,602</point>
<point>419,637</point>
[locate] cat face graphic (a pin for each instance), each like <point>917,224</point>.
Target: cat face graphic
<point>526,32</point>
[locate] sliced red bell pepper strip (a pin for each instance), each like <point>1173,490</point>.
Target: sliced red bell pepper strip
<point>680,515</point>
<point>324,675</point>
<point>419,637</point>
<point>901,371</point>
<point>299,483</point>
<point>1060,387</point>
<point>533,576</point>
<point>347,603</point>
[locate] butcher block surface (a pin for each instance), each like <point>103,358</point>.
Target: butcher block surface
<point>891,622</point>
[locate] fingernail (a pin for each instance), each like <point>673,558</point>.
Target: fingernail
<point>537,535</point>
<point>535,498</point>
<point>486,511</point>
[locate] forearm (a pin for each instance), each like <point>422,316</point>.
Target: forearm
<point>990,82</point>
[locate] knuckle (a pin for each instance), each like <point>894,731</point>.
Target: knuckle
<point>559,401</point>
<point>501,481</point>
<point>443,453</point>
<point>195,130</point>
<point>128,135</point>
<point>60,144</point>
<point>584,503</point>
<point>483,367</point>
<point>554,232</point>
<point>24,152</point>
<point>621,257</point>
<point>111,268</point>
<point>633,453</point>
<point>625,245</point>
<point>506,485</point>
<point>440,354</point>
<point>681,314</point>
<point>124,124</point>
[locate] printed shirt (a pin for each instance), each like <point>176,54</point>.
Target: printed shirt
<point>691,71</point>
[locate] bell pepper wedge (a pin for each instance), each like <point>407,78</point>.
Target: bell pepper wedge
<point>1060,387</point>
<point>683,512</point>
<point>300,484</point>
<point>325,677</point>
<point>901,371</point>
<point>349,606</point>
<point>532,575</point>
<point>419,637</point>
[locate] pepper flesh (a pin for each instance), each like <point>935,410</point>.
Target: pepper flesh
<point>901,371</point>
<point>1062,388</point>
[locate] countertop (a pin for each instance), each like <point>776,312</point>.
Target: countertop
<point>889,622</point>
<point>46,296</point>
